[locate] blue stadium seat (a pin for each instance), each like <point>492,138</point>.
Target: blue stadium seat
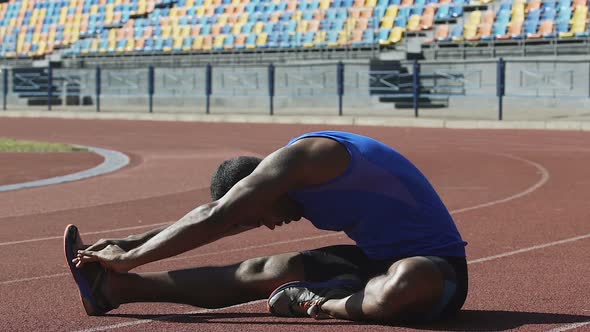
<point>457,31</point>
<point>251,40</point>
<point>443,12</point>
<point>562,26</point>
<point>418,7</point>
<point>500,29</point>
<point>158,45</point>
<point>548,13</point>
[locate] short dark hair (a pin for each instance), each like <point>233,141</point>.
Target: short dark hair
<point>231,172</point>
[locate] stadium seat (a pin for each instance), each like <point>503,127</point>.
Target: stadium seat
<point>457,33</point>
<point>442,33</point>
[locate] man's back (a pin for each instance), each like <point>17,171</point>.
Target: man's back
<point>382,202</point>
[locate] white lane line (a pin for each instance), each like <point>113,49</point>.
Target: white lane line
<point>544,178</point>
<point>272,244</point>
<point>569,327</point>
<point>540,246</point>
<point>87,233</point>
<point>222,252</point>
<point>164,318</point>
<point>14,281</point>
<point>545,175</point>
<point>485,259</point>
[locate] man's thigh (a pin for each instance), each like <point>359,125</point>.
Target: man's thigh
<point>425,288</point>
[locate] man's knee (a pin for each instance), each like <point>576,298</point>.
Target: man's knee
<point>410,289</point>
<point>272,271</point>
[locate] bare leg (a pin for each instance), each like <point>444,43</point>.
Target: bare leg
<point>412,287</point>
<point>207,287</point>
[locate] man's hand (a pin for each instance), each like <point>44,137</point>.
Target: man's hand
<point>111,257</point>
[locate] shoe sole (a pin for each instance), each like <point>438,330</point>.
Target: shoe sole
<point>70,236</point>
<point>306,284</point>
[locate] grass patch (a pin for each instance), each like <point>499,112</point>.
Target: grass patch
<point>12,145</point>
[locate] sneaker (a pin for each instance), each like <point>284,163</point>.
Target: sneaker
<point>304,299</point>
<point>89,278</point>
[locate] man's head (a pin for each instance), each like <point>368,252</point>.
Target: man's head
<point>231,172</point>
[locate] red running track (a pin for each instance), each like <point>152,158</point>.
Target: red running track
<point>520,198</point>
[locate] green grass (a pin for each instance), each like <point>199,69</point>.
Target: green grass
<point>12,145</point>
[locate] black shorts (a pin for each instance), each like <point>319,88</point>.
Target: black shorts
<point>329,262</point>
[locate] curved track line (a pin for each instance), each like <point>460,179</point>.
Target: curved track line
<point>113,161</point>
<point>565,327</point>
<point>87,233</point>
<point>545,175</point>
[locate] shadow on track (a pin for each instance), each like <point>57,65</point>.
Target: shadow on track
<point>466,320</point>
<point>492,320</point>
<point>250,318</point>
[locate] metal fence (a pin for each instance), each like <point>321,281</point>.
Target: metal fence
<point>414,83</point>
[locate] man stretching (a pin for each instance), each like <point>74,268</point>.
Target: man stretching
<point>408,264</point>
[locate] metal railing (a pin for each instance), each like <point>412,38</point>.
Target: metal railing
<point>411,82</point>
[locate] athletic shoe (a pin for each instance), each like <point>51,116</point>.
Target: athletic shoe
<point>88,278</point>
<point>304,299</point>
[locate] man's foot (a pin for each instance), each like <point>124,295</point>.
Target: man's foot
<point>89,279</point>
<point>304,299</point>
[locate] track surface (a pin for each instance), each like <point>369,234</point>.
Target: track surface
<point>17,167</point>
<point>520,198</point>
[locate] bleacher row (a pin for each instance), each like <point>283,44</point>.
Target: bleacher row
<point>519,20</point>
<point>36,28</point>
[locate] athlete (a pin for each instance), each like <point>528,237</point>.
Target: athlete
<point>407,265</point>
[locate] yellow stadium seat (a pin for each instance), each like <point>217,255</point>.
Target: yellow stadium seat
<point>41,48</point>
<point>258,27</point>
<point>218,42</point>
<point>414,23</point>
<point>324,4</point>
<point>243,18</point>
<point>237,28</point>
<point>343,38</point>
<point>185,31</point>
<point>320,37</point>
<point>178,41</point>
<point>176,31</point>
<point>166,31</point>
<point>94,45</point>
<point>262,39</point>
<point>200,11</point>
<point>396,35</point>
<point>302,26</point>
<point>470,32</point>
<point>475,17</point>
<point>222,19</point>
<point>392,11</point>
<point>198,43</point>
<point>580,13</point>
<point>112,45</point>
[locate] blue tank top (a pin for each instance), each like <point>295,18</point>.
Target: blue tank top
<point>382,202</point>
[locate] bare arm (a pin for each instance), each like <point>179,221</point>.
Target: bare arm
<point>249,204</point>
<point>128,243</point>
